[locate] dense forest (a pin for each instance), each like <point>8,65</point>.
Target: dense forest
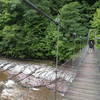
<point>26,34</point>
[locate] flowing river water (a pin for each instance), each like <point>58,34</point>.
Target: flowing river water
<point>41,93</point>
<point>3,76</point>
<point>38,94</point>
<point>42,81</point>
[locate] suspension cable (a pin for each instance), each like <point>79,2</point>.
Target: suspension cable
<point>39,11</point>
<point>57,44</point>
<point>57,60</point>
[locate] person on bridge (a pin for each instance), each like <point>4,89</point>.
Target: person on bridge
<point>91,45</point>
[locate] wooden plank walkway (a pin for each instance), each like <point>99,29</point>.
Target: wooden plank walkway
<point>86,86</point>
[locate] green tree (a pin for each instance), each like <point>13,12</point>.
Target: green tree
<point>96,20</point>
<point>95,24</point>
<point>71,19</point>
<point>24,33</point>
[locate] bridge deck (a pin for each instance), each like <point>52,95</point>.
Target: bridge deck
<point>86,86</point>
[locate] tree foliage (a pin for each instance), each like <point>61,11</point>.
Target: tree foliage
<point>24,33</point>
<point>96,20</point>
<point>95,24</point>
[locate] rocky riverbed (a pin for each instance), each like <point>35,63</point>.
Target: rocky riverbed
<point>10,90</point>
<point>42,75</point>
<point>35,76</point>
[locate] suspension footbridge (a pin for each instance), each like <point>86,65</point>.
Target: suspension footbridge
<point>86,85</point>
<point>79,82</point>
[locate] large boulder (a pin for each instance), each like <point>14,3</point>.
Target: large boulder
<point>10,91</point>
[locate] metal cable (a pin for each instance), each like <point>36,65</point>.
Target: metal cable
<point>25,77</point>
<point>40,11</point>
<point>10,67</point>
<point>4,65</point>
<point>18,73</point>
<point>57,61</point>
<point>57,47</point>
